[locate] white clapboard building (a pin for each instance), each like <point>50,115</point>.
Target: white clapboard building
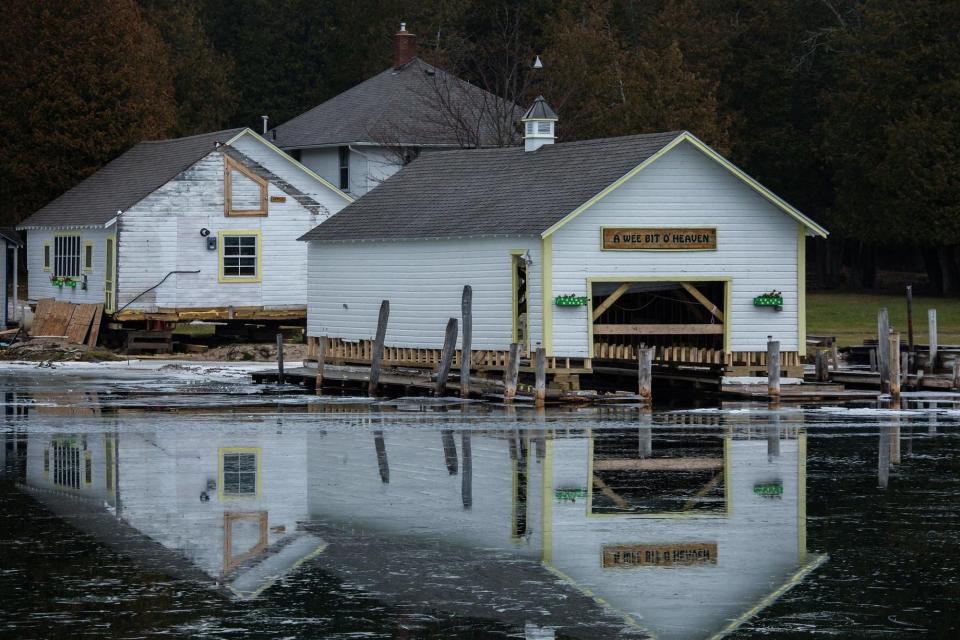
<point>587,248</point>
<point>361,137</point>
<point>203,224</point>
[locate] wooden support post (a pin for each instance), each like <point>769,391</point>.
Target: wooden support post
<point>934,342</point>
<point>873,360</point>
<point>773,368</point>
<point>540,379</point>
<point>883,349</point>
<point>904,369</point>
<point>512,371</point>
<point>446,357</point>
<point>321,362</point>
<point>377,356</point>
<point>894,341</point>
<point>281,378</point>
<point>956,374</point>
<point>883,458</point>
<point>645,374</point>
<point>466,341</point>
<point>909,321</point>
<point>466,476</point>
<point>821,366</point>
<point>834,355</point>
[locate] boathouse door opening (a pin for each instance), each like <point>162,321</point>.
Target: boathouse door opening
<point>521,331</point>
<point>685,321</point>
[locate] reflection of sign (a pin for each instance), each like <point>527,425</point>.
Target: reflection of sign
<point>278,198</point>
<point>570,494</point>
<point>769,489</point>
<point>662,555</point>
<point>658,239</point>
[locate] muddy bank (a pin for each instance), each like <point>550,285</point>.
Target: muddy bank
<point>53,350</point>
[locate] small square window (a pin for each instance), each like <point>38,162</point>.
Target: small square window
<point>544,127</point>
<point>239,256</point>
<point>239,474</point>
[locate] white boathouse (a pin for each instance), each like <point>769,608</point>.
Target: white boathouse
<point>588,249</point>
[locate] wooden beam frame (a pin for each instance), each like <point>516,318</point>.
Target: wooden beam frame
<point>613,297</point>
<point>658,464</point>
<point>704,300</point>
<point>230,165</point>
<point>656,329</point>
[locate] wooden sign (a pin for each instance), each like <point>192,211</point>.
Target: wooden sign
<point>659,239</point>
<point>278,198</point>
<point>659,555</point>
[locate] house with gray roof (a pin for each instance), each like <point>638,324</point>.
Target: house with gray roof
<point>202,226</point>
<point>588,249</point>
<point>359,138</point>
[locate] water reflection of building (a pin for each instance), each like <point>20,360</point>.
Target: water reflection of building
<point>682,533</point>
<point>229,503</point>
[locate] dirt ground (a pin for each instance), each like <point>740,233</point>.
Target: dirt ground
<point>51,350</point>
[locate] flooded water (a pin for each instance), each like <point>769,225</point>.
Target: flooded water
<point>188,503</point>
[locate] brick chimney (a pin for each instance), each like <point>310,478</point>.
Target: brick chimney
<point>405,47</point>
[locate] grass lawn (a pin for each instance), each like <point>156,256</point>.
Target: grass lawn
<point>851,317</point>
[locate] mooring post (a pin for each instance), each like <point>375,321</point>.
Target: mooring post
<point>645,374</point>
<point>446,356</point>
<point>904,369</point>
<point>466,341</point>
<point>895,439</point>
<point>377,356</point>
<point>321,362</point>
<point>540,378</point>
<point>894,339</point>
<point>834,355</point>
<point>281,378</point>
<point>883,349</point>
<point>956,374</point>
<point>909,321</point>
<point>466,476</point>
<point>873,361</point>
<point>512,372</point>
<point>934,342</point>
<point>883,458</point>
<point>773,368</point>
<point>821,366</point>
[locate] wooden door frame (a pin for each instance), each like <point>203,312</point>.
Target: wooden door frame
<point>727,294</point>
<point>516,255</point>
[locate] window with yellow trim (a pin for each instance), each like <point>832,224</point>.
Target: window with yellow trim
<point>88,256</point>
<point>47,249</point>
<point>240,256</point>
<point>239,475</point>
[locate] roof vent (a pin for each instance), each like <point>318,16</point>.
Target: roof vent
<point>538,125</point>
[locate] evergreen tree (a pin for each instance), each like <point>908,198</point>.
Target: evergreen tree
<point>82,81</point>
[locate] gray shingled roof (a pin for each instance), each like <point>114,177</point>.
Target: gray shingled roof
<point>488,192</point>
<point>417,104</point>
<point>125,181</point>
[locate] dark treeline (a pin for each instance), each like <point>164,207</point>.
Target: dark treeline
<point>847,108</point>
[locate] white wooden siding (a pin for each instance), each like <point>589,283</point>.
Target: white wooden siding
<point>162,234</point>
<point>756,247</point>
<point>38,280</point>
<point>424,282</point>
<point>244,192</point>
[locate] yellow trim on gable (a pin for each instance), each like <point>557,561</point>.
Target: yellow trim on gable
<point>239,279</point>
<point>686,136</point>
<point>258,451</point>
<point>546,293</point>
<point>292,160</point>
<point>802,290</point>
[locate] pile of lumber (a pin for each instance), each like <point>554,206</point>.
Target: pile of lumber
<point>76,323</point>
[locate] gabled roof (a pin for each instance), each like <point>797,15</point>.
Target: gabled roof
<point>126,181</point>
<point>146,167</point>
<point>508,191</point>
<point>10,235</point>
<point>417,104</point>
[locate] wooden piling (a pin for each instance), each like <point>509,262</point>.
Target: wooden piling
<point>512,372</point>
<point>873,361</point>
<point>773,368</point>
<point>321,362</point>
<point>377,357</point>
<point>821,366</point>
<point>909,321</point>
<point>446,356</point>
<point>904,369</point>
<point>645,374</point>
<point>466,346</point>
<point>934,342</point>
<point>883,458</point>
<point>883,349</point>
<point>281,378</point>
<point>834,355</point>
<point>540,379</point>
<point>894,348</point>
<point>956,374</point>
